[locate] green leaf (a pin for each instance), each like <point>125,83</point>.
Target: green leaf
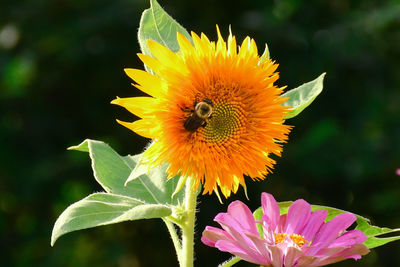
<point>302,96</point>
<point>373,233</point>
<point>363,224</point>
<point>257,215</point>
<point>157,25</point>
<point>148,196</point>
<point>139,170</point>
<point>112,170</point>
<point>102,209</point>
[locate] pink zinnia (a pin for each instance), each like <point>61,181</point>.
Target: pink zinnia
<point>298,238</point>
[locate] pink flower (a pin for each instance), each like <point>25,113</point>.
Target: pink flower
<point>298,238</point>
<point>398,171</point>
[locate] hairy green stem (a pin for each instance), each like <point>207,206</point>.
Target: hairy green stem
<point>188,226</point>
<point>175,239</point>
<point>230,262</point>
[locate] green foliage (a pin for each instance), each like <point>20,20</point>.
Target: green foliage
<point>112,172</point>
<point>148,195</point>
<point>110,169</point>
<point>302,96</point>
<point>102,209</point>
<point>17,76</point>
<point>374,233</point>
<point>157,25</point>
<point>363,224</point>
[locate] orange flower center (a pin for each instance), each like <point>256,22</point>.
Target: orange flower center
<point>298,239</point>
<point>226,123</point>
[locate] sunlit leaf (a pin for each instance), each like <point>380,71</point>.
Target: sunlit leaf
<point>157,25</point>
<point>102,209</point>
<point>112,170</point>
<point>148,196</point>
<point>302,96</point>
<point>375,233</point>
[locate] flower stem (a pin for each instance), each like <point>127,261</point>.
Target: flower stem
<point>188,226</point>
<point>175,239</point>
<point>230,262</point>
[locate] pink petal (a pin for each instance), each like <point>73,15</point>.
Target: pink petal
<point>314,224</point>
<point>235,249</point>
<point>329,252</point>
<point>261,247</point>
<point>291,256</point>
<point>349,238</point>
<point>269,236</point>
<point>231,226</point>
<point>212,234</point>
<point>306,261</point>
<point>354,257</point>
<point>233,219</point>
<point>270,209</point>
<point>297,217</point>
<point>330,230</point>
<point>282,223</point>
<point>354,252</point>
<point>276,256</point>
<point>207,241</point>
<point>244,216</point>
<point>357,249</point>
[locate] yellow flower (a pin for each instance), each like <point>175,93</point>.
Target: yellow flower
<point>213,112</point>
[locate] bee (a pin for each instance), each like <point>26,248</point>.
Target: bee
<point>201,112</point>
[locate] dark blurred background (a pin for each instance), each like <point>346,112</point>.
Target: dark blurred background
<point>61,63</point>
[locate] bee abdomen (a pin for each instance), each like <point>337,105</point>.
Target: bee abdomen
<point>192,123</point>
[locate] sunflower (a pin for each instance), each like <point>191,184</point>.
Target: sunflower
<point>213,111</point>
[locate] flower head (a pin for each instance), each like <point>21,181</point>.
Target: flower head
<point>298,238</point>
<point>213,112</point>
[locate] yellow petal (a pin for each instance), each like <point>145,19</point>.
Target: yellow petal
<point>163,54</point>
<point>150,84</point>
<point>150,62</point>
<point>253,47</point>
<point>245,43</point>
<point>232,47</point>
<point>225,191</point>
<point>146,128</point>
<point>244,48</point>
<point>221,45</point>
<point>184,44</point>
<point>140,106</point>
<point>200,46</point>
